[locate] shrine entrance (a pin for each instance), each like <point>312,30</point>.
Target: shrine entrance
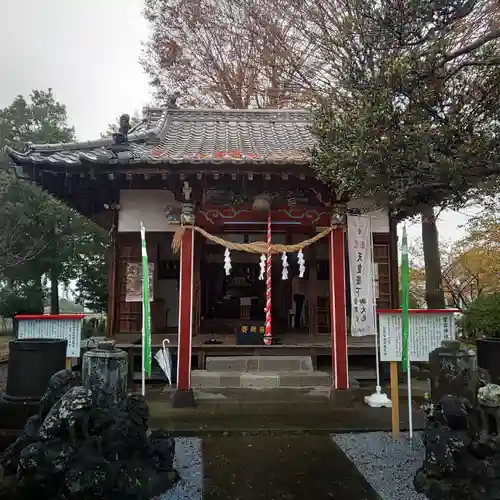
<point>230,301</point>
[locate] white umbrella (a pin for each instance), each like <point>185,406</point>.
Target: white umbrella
<point>165,360</point>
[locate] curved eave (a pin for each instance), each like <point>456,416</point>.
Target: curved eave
<point>56,155</point>
<point>80,159</point>
<point>150,134</point>
<point>269,160</point>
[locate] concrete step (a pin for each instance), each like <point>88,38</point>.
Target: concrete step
<point>202,379</point>
<point>258,364</point>
<point>363,374</point>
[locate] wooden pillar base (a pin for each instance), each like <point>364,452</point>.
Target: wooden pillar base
<point>183,399</point>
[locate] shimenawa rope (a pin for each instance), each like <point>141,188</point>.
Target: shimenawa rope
<point>258,247</point>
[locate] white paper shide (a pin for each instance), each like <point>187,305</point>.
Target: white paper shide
<point>361,272</point>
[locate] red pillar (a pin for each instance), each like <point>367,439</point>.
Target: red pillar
<point>112,265</point>
<point>338,317</point>
<point>184,394</point>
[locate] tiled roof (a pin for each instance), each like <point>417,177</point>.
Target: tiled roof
<point>192,136</point>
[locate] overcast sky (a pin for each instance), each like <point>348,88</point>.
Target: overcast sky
<point>88,52</point>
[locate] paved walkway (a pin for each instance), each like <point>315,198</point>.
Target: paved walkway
<point>280,468</point>
<point>297,414</point>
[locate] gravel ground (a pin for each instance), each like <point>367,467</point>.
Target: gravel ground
<point>3,376</point>
<point>388,465</point>
<point>189,465</point>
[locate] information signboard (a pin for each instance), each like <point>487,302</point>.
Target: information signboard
<point>63,326</point>
<point>427,329</point>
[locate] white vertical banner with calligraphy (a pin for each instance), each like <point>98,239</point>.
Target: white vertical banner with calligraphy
<point>361,274</point>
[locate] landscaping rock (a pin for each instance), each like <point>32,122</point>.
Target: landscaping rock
<point>84,445</point>
<point>460,461</point>
<point>489,395</point>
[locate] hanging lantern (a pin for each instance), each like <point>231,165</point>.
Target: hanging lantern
<point>227,262</point>
<point>284,262</point>
<point>262,203</point>
<point>262,267</point>
<point>302,263</point>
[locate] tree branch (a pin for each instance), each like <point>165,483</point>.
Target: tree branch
<point>492,35</point>
<point>466,64</point>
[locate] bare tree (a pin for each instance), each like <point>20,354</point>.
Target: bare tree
<point>412,81</point>
<point>244,53</point>
<point>228,53</point>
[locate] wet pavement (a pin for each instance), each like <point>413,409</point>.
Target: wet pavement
<point>280,468</point>
<point>205,420</point>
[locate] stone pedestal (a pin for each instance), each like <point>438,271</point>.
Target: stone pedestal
<point>106,368</point>
<point>453,371</point>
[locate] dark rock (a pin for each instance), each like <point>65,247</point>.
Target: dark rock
<point>454,412</point>
<point>32,426</point>
<point>453,370</point>
<point>460,462</point>
<point>484,377</point>
<point>69,414</point>
<point>87,445</point>
<point>163,450</point>
<point>59,384</point>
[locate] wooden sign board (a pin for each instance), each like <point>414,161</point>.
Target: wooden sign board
<point>134,282</point>
<point>427,329</point>
<point>67,327</point>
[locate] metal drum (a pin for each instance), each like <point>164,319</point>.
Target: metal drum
<point>488,357</point>
<point>31,364</point>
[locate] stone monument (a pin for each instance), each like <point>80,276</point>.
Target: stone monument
<point>453,370</point>
<point>105,367</point>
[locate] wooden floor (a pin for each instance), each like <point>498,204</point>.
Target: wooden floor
<point>321,344</point>
<point>293,344</point>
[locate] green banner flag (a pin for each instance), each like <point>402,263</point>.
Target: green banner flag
<point>405,323</point>
<point>146,316</point>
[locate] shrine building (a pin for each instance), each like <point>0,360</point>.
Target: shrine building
<point>205,183</point>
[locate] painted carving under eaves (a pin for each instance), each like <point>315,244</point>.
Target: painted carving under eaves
<point>288,198</point>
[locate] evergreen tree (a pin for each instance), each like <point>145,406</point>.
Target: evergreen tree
<point>44,238</point>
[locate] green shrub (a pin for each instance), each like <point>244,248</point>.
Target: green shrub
<point>482,317</point>
<point>94,327</point>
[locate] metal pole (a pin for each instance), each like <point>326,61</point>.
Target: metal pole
<point>378,388</point>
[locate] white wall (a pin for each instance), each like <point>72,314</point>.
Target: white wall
<point>148,206</point>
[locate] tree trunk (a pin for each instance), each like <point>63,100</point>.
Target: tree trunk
<point>434,293</point>
<point>54,292</point>
<point>40,290</point>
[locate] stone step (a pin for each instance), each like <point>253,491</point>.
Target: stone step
<point>202,379</point>
<point>258,364</point>
<point>363,374</point>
